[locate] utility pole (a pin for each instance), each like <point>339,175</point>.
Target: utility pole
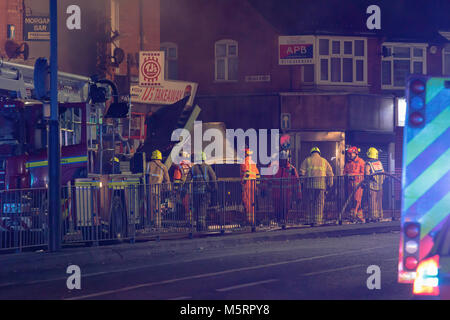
<point>53,150</point>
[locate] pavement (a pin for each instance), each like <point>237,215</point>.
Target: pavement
<point>14,265</point>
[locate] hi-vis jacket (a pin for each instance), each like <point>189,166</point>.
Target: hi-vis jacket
<point>157,172</point>
<point>355,168</point>
<point>249,171</point>
<point>375,166</point>
<point>319,172</point>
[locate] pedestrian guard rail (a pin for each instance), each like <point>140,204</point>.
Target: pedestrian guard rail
<point>127,209</point>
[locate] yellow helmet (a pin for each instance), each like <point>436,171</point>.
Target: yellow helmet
<point>156,155</point>
<point>315,149</point>
<point>372,153</point>
<point>200,157</point>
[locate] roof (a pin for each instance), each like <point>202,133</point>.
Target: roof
<point>401,20</point>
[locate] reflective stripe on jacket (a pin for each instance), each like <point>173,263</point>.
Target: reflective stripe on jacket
<point>317,168</point>
<point>157,172</point>
<point>375,166</point>
<point>249,171</point>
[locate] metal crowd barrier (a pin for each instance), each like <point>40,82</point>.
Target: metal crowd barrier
<point>129,210</point>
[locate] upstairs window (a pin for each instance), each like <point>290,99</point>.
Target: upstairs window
<point>226,60</point>
<point>399,61</point>
<point>446,61</point>
<point>342,60</point>
<point>171,60</point>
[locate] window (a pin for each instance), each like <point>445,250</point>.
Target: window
<point>446,61</point>
<point>342,61</point>
<point>226,58</point>
<point>399,61</point>
<point>171,60</point>
<point>10,32</point>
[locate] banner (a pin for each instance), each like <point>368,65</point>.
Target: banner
<point>168,92</point>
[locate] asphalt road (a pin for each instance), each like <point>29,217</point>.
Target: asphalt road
<point>322,268</point>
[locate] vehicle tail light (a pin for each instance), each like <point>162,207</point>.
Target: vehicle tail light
<point>412,230</point>
<point>411,263</point>
<point>427,280</point>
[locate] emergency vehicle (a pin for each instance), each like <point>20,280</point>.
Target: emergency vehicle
<point>100,177</point>
<point>424,239</point>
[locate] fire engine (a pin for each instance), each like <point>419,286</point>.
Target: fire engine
<point>425,186</point>
<point>96,155</point>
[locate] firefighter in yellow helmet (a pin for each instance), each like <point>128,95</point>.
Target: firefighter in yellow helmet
<point>319,177</point>
<point>375,185</point>
<point>158,180</point>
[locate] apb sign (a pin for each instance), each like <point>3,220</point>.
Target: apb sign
<point>295,50</point>
<point>36,28</point>
<point>151,68</point>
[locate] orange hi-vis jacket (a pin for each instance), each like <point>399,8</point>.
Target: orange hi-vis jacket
<point>181,171</point>
<point>249,171</point>
<point>355,168</point>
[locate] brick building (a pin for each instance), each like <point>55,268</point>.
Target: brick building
<point>131,25</point>
<point>345,88</point>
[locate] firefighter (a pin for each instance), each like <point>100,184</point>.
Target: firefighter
<point>354,170</point>
<point>204,184</point>
<point>179,174</point>
<point>375,185</point>
<point>158,180</point>
<point>249,178</point>
<point>286,183</point>
<point>319,178</point>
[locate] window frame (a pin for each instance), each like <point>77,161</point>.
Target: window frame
<point>227,42</point>
<point>167,46</point>
<point>411,59</point>
<point>445,52</point>
<point>341,55</point>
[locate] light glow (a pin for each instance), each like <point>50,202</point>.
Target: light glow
<point>427,281</point>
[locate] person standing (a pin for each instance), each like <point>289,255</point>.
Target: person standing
<point>179,174</point>
<point>204,183</point>
<point>375,185</point>
<point>249,176</point>
<point>354,171</point>
<point>319,177</point>
<point>158,180</point>
<point>286,183</point>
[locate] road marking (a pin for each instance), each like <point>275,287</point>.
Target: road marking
<point>332,270</point>
<point>219,273</point>
<point>180,298</point>
<point>245,285</point>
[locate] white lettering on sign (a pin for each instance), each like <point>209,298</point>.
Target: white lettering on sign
<point>74,280</point>
<point>374,280</point>
<point>74,20</point>
<point>374,21</point>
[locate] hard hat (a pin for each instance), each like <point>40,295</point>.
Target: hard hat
<point>353,150</point>
<point>372,153</point>
<point>315,149</point>
<point>248,151</point>
<point>116,159</point>
<point>200,156</point>
<point>156,155</point>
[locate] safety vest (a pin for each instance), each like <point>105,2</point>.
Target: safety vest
<point>375,166</point>
<point>315,168</point>
<point>180,172</point>
<point>249,171</point>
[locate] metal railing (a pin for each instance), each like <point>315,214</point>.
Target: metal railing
<point>93,213</point>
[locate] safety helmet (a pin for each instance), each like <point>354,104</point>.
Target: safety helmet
<point>315,149</point>
<point>156,155</point>
<point>184,155</point>
<point>372,153</point>
<point>200,156</point>
<point>353,150</point>
<point>248,152</point>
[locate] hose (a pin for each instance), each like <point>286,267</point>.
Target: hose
<point>365,181</point>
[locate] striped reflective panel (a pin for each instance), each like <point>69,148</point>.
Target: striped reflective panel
<point>426,194</point>
<point>65,160</point>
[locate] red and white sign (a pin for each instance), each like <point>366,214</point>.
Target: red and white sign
<point>151,68</point>
<point>168,92</point>
<point>294,50</point>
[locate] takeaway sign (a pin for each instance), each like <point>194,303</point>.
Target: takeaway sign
<point>36,28</point>
<point>168,92</point>
<point>295,50</point>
